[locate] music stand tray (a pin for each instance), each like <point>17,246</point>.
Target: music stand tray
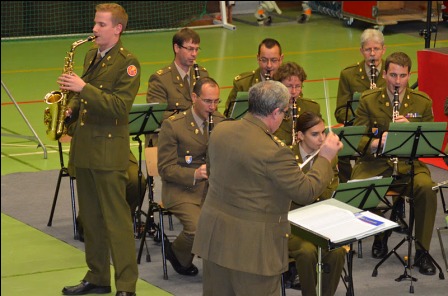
<point>240,106</point>
<point>350,136</point>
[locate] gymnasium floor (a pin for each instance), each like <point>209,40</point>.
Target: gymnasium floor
<point>324,46</point>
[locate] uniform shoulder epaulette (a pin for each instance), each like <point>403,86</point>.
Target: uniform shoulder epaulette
<point>356,65</point>
<point>420,94</point>
<point>244,75</point>
<point>163,70</point>
<point>177,116</point>
<point>369,92</point>
<point>310,100</point>
<point>278,141</point>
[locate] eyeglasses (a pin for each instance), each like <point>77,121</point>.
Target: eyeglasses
<point>209,101</point>
<point>266,60</point>
<point>374,49</point>
<point>191,49</point>
<point>294,86</point>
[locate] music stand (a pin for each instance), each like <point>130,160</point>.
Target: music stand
<point>240,106</point>
<point>309,221</point>
<point>363,194</point>
<point>412,140</point>
<point>351,105</point>
<point>350,136</point>
<point>144,119</point>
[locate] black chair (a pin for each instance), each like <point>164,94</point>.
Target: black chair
<point>63,172</point>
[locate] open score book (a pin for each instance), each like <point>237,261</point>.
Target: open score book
<point>338,222</point>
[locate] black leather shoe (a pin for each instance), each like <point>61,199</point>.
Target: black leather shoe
<point>192,270</point>
<point>379,247</point>
<point>424,263</point>
<point>85,288</point>
<point>122,293</point>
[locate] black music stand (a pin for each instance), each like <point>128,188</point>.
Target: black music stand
<point>240,106</point>
<point>143,119</point>
<point>412,140</point>
<point>317,213</point>
<point>363,194</point>
<point>351,105</point>
<point>350,136</point>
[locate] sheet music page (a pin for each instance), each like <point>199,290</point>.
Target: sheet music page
<point>339,224</point>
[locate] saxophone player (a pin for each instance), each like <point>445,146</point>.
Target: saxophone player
<point>376,107</point>
<point>99,102</point>
<point>292,75</point>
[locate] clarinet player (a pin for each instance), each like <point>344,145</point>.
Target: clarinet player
<point>376,109</point>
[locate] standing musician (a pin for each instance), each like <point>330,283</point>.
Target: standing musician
<point>375,109</point>
<point>100,103</point>
<point>311,135</point>
<point>181,163</point>
<point>357,78</point>
<point>269,58</point>
<point>293,76</point>
<point>253,178</point>
<point>174,83</point>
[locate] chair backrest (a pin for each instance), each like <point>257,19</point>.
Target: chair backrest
<point>151,161</point>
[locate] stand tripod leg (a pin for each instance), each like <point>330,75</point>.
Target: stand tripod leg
<point>426,253</point>
<point>393,251</point>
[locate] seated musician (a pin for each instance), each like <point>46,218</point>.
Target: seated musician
<point>310,136</point>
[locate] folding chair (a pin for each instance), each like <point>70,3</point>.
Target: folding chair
<point>152,171</point>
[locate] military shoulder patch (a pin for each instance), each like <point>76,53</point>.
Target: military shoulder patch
<point>132,70</point>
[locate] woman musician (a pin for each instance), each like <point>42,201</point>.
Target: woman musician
<point>311,134</point>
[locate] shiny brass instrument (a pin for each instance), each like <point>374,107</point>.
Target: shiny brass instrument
<point>196,71</point>
<point>294,119</point>
<point>395,114</point>
<point>54,114</point>
<point>267,75</point>
<point>372,74</point>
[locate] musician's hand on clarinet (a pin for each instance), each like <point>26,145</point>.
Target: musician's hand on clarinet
<point>201,172</point>
<point>375,142</point>
<point>331,146</point>
<point>401,118</point>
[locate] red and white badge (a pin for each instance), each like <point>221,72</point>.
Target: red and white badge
<point>132,70</point>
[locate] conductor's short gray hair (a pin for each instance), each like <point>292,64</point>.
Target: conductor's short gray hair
<point>266,96</point>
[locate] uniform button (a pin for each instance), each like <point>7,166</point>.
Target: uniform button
<point>109,136</point>
<point>287,235</point>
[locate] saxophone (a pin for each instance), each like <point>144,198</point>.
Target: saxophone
<point>54,114</point>
<point>395,114</point>
<point>372,74</point>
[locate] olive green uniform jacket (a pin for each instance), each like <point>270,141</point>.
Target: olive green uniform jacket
<point>375,108</point>
<point>100,155</point>
<point>253,178</point>
<point>284,132</point>
<point>182,149</point>
<point>242,82</point>
<point>351,80</point>
<point>167,86</point>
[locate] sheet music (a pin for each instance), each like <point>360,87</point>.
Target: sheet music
<point>338,224</point>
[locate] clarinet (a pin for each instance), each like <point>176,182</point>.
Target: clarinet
<point>395,114</point>
<point>210,123</point>
<point>372,74</point>
<point>267,75</point>
<point>294,118</point>
<point>196,71</point>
